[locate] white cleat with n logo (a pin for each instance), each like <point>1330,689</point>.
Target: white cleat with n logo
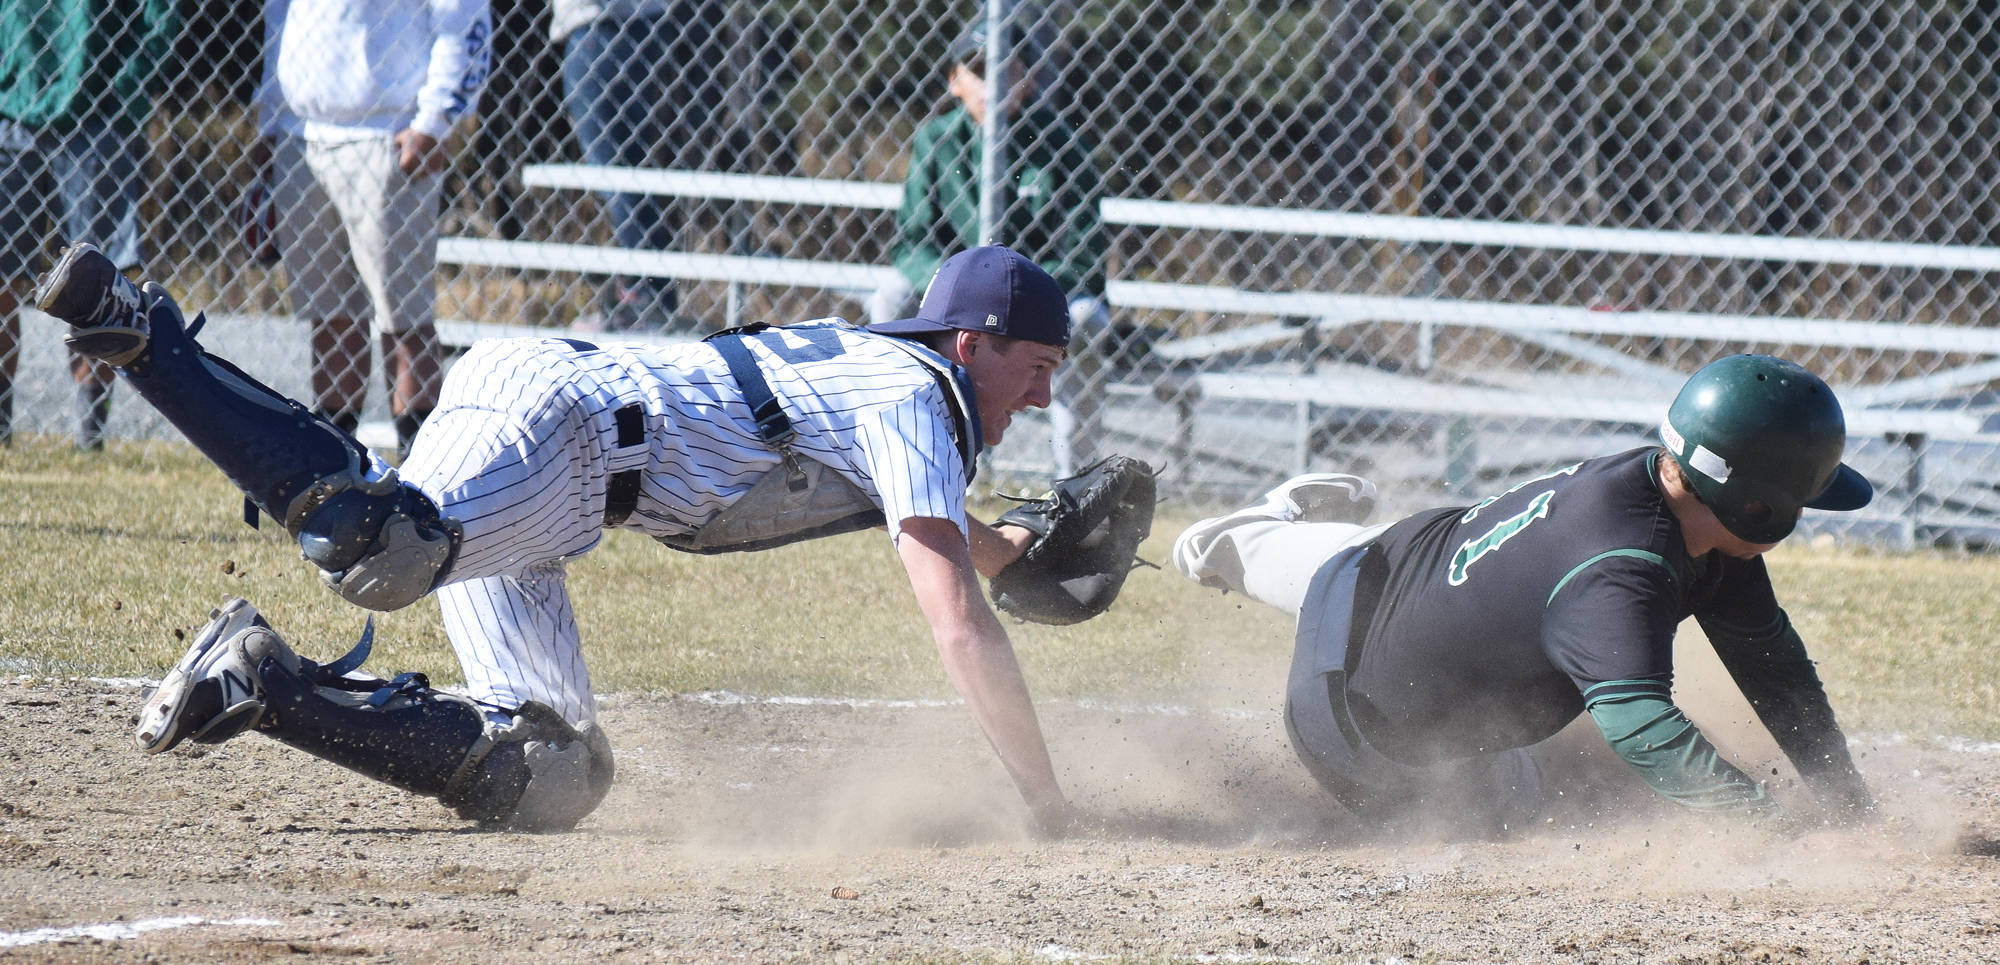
<point>212,694</point>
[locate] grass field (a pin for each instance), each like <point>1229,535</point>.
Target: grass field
<point>115,556</point>
<point>120,553</point>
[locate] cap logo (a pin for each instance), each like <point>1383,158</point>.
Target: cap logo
<point>992,321</point>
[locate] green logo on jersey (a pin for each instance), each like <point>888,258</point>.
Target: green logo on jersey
<point>1473,513</point>
<point>1471,550</point>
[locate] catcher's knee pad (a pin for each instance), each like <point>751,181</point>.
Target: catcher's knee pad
<point>563,772</point>
<point>530,771</point>
<point>379,543</point>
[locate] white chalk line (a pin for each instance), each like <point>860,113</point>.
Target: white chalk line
<point>1056,952</point>
<point>121,931</point>
<point>730,698</point>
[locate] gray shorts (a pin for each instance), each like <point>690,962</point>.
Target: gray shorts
<point>358,236</point>
<point>82,185</point>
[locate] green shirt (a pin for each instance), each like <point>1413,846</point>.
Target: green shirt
<point>1051,215</point>
<point>63,62</point>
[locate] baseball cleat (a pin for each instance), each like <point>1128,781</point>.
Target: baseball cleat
<point>213,693</point>
<point>1321,497</point>
<point>104,307</point>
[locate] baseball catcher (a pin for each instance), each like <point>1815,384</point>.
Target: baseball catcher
<point>752,438</point>
<point>1087,534</point>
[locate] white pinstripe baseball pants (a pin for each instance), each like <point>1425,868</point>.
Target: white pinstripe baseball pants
<point>518,452</point>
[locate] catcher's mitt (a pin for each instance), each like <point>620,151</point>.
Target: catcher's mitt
<point>1087,533</point>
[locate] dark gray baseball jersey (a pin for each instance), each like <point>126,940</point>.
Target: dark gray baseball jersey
<point>1494,618</point>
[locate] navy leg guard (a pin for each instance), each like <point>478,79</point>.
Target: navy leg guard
<point>535,773</point>
<point>271,447</point>
<point>379,544</point>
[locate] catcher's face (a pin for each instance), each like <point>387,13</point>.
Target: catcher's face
<point>1008,375</point>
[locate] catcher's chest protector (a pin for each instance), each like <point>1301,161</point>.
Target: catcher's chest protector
<point>801,498</point>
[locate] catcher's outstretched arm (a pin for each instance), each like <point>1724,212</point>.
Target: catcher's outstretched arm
<point>993,547</point>
<point>979,659</point>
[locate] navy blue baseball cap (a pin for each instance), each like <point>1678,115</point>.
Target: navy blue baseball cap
<point>994,290</point>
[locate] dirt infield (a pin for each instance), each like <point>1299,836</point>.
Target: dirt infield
<point>768,830</point>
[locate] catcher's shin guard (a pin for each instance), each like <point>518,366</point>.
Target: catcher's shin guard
<point>528,769</point>
<point>379,543</point>
<point>532,772</point>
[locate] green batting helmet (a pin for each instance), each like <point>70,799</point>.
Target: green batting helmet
<point>1760,438</point>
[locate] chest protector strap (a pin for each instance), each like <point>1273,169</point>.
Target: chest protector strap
<point>802,498</point>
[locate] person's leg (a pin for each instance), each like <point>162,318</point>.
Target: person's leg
<point>414,363</point>
<point>340,364</point>
<point>1078,393</point>
<point>10,350</point>
<point>99,187</point>
<point>378,543</point>
<point>673,131</point>
<point>341,374</point>
<point>519,767</point>
<point>613,91</point>
<point>321,283</point>
<point>1270,550</point>
<point>24,183</point>
<point>393,227</point>
<point>520,470</point>
<point>516,640</point>
<point>93,400</point>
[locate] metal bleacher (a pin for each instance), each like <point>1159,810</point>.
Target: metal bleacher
<point>1261,376</point>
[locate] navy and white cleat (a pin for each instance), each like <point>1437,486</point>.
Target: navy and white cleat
<point>105,309</point>
<point>213,693</point>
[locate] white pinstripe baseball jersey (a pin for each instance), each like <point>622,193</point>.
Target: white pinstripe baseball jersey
<point>523,442</point>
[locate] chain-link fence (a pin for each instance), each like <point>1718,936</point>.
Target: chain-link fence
<point>1439,243</point>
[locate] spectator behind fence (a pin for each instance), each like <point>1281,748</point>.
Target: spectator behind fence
<point>1049,211</point>
<point>76,85</point>
<point>629,84</point>
<point>358,99</point>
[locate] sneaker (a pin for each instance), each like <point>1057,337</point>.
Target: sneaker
<point>1325,497</point>
<point>107,310</point>
<point>213,693</point>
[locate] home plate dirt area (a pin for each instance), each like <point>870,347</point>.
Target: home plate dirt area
<point>755,829</point>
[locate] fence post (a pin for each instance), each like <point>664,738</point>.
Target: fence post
<point>992,164</point>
